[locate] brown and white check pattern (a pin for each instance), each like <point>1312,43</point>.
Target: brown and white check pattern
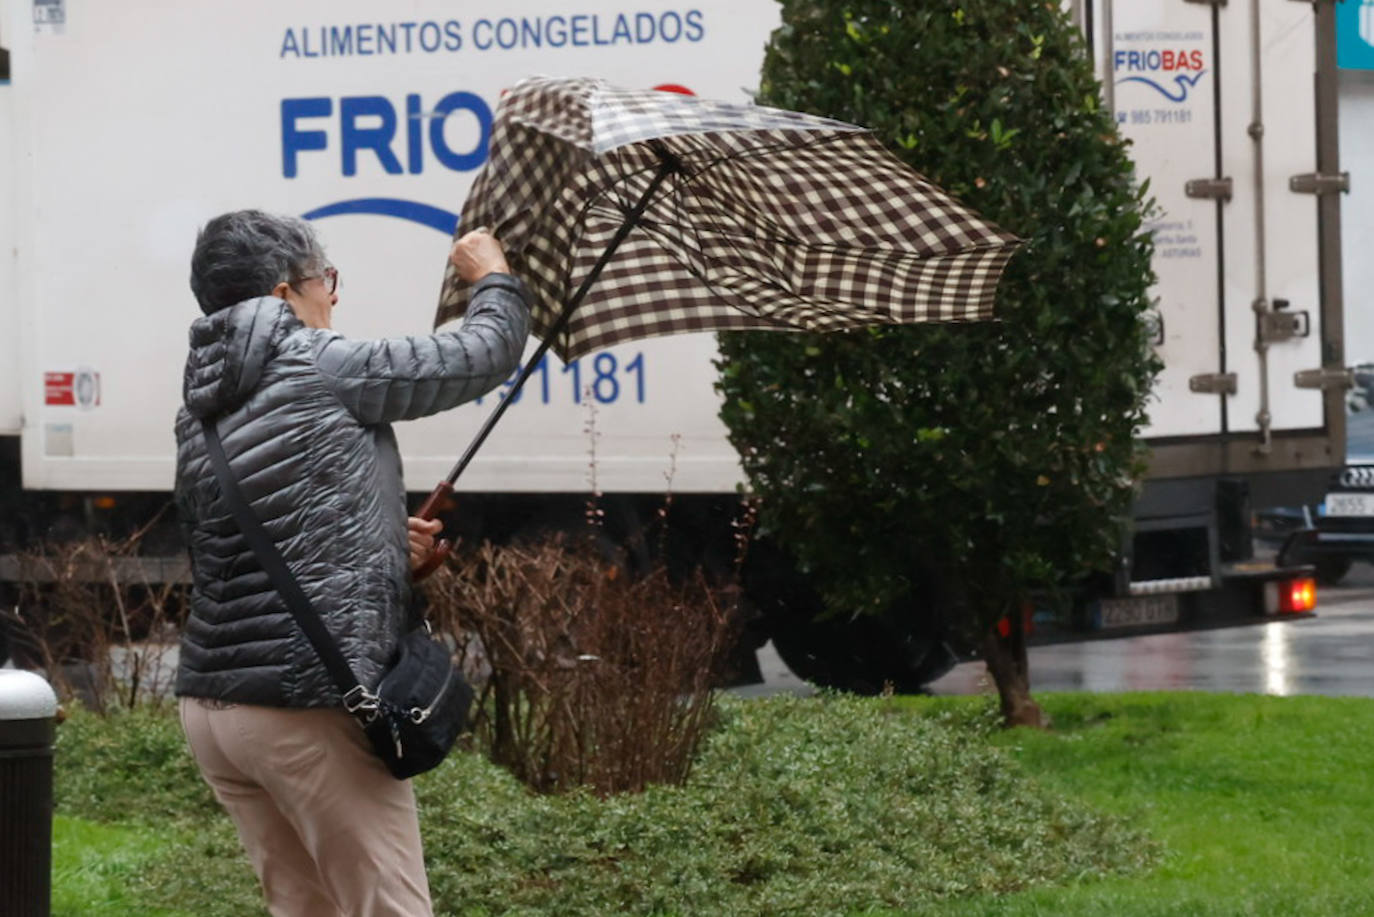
<point>778,220</point>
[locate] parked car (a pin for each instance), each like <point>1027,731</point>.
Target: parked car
<point>1340,529</point>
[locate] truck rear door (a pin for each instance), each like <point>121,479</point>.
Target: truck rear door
<point>1218,102</point>
<point>1162,59</point>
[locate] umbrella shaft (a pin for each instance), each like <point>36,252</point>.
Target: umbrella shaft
<point>631,220</point>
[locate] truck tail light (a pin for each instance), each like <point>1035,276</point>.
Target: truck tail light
<point>1297,595</point>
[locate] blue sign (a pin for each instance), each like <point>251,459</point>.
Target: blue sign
<point>1355,35</point>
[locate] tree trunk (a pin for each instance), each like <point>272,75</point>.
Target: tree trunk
<point>1004,651</point>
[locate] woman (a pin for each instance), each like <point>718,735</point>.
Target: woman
<point>305,414</point>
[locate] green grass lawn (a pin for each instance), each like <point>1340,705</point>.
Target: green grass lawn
<point>97,868</point>
<point>1160,804</point>
<point>1265,806</point>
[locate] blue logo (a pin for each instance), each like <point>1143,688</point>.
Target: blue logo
<point>398,140</point>
<point>1155,66</point>
<point>1183,81</point>
<point>445,221</point>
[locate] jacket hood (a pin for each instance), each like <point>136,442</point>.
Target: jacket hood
<point>230,350</point>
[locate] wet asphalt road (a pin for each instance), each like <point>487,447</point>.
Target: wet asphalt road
<point>1331,654</point>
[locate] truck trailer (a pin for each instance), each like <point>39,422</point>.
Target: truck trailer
<point>123,128</point>
<point>1232,113</point>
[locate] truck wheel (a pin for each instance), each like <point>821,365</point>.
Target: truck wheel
<point>904,647</point>
<point>859,658</point>
<point>1331,570</point>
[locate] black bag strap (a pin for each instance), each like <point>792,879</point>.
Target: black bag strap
<point>356,698</point>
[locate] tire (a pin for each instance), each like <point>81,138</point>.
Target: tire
<point>903,646</point>
<point>859,659</point>
<point>1331,570</point>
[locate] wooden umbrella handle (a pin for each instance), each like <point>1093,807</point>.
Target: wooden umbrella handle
<point>441,496</point>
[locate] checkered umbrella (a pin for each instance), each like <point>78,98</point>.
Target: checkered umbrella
<point>757,218</point>
<point>639,213</point>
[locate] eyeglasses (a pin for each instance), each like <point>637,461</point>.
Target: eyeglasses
<point>329,277</point>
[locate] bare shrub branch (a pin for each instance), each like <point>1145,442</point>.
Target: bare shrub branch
<point>103,619</point>
<point>592,678</point>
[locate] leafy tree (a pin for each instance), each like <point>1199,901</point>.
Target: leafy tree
<point>1000,457</point>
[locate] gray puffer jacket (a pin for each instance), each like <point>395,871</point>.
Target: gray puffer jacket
<point>304,415</point>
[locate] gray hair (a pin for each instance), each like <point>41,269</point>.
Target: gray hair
<point>246,253</point>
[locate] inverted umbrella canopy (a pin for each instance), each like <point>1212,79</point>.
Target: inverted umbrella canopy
<point>729,217</point>
<point>639,213</point>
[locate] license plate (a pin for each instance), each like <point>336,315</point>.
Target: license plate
<point>1138,610</point>
<point>1350,504</point>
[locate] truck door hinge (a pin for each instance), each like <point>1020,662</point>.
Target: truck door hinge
<point>1213,384</point>
<point>1319,183</point>
<point>1217,189</point>
<point>1324,379</point>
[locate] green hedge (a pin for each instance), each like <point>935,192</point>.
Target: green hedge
<point>795,806</point>
<point>1000,455</point>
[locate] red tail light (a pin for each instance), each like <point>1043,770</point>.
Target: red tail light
<point>1297,595</point>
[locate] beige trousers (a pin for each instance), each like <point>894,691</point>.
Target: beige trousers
<point>328,829</point>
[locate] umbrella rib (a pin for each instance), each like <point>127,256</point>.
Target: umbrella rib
<point>682,179</point>
<point>675,174</point>
<point>688,176</point>
<point>728,232</point>
<point>837,310</point>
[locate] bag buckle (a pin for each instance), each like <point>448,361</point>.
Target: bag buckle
<point>358,699</point>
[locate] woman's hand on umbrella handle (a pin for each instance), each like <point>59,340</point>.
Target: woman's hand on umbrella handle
<point>424,520</point>
<point>435,561</point>
<point>477,254</point>
<point>421,534</point>
<point>425,555</point>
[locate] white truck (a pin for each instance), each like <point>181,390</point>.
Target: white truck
<point>124,127</point>
<point>1232,111</point>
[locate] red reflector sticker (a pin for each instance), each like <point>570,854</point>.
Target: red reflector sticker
<point>59,388</point>
<point>75,389</point>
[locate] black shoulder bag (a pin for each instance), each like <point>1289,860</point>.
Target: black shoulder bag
<point>420,706</point>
